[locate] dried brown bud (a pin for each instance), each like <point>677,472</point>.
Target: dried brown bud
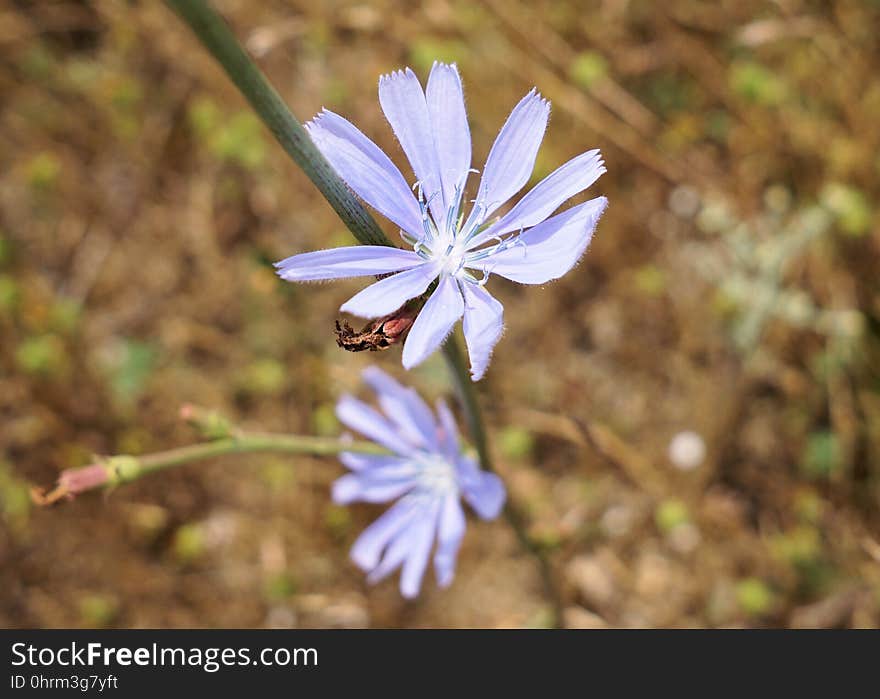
<point>377,334</point>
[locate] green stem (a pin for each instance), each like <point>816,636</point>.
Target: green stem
<point>214,33</point>
<point>514,514</point>
<point>467,397</point>
<point>252,443</point>
<point>124,468</point>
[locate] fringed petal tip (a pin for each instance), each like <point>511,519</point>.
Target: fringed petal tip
<point>396,75</point>
<point>316,120</point>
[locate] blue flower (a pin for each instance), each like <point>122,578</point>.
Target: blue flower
<point>460,251</point>
<point>427,474</point>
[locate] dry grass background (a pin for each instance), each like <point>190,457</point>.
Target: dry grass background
<point>732,290</point>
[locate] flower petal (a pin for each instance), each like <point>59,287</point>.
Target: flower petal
<point>366,169</point>
<point>452,136</point>
<point>435,320</point>
<point>389,294</point>
<point>410,546</point>
<point>354,461</point>
<point>451,526</point>
<point>403,102</point>
<point>404,407</point>
<point>512,158</point>
<point>419,552</point>
<point>483,325</point>
<point>360,417</point>
<point>551,248</point>
<point>548,195</point>
<point>339,263</point>
<point>367,550</point>
<point>482,490</point>
<point>450,441</point>
<point>355,487</point>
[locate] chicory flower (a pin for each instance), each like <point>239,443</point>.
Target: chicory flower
<point>526,244</point>
<point>428,475</point>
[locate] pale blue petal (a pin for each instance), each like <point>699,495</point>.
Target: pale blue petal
<point>512,158</point>
<point>452,135</point>
<point>397,551</point>
<point>434,322</point>
<point>450,532</point>
<point>551,248</point>
<point>548,195</point>
<point>389,294</point>
<point>367,550</point>
<point>420,551</point>
<point>362,462</point>
<point>339,263</point>
<point>360,417</point>
<point>391,469</point>
<point>355,487</point>
<point>403,102</point>
<point>366,169</point>
<point>409,546</point>
<point>404,407</point>
<point>482,490</point>
<point>483,325</point>
<point>449,434</point>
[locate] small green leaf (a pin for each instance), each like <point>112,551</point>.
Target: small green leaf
<point>516,443</point>
<point>821,456</point>
<point>189,543</point>
<point>42,355</point>
<point>754,597</point>
<point>587,69</point>
<point>850,208</point>
<point>757,84</point>
<point>43,171</point>
<point>670,514</point>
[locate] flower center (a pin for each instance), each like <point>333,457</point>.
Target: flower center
<point>446,241</point>
<point>437,475</point>
<point>451,259</point>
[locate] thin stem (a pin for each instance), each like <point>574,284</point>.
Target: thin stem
<point>214,33</point>
<point>513,513</point>
<point>467,396</point>
<point>123,468</point>
<point>252,442</point>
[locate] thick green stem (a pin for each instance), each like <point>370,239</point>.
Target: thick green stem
<point>213,32</point>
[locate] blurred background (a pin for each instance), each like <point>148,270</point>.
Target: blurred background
<point>691,417</point>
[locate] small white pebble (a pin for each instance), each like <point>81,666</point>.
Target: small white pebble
<point>687,450</point>
<point>281,618</point>
<point>616,520</point>
<point>684,201</point>
<point>684,538</point>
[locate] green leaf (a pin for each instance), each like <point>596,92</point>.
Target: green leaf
<point>754,597</point>
<point>821,457</point>
<point>756,83</point>
<point>849,206</point>
<point>587,69</point>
